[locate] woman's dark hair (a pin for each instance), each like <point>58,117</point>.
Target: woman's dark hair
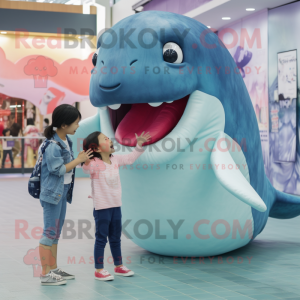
<point>92,142</point>
<point>4,132</point>
<point>46,120</point>
<point>30,121</point>
<point>64,114</point>
<point>15,129</point>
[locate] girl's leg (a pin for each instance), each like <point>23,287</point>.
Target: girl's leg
<point>3,158</point>
<point>25,152</point>
<point>54,253</point>
<point>50,255</point>
<point>11,158</point>
<point>102,221</point>
<point>62,217</point>
<point>46,258</point>
<point>51,226</point>
<point>16,148</point>
<point>114,236</point>
<point>29,157</point>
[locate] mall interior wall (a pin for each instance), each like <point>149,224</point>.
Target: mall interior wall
<point>121,10</point>
<point>284,27</point>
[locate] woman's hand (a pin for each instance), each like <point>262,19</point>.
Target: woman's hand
<point>84,156</point>
<point>87,162</point>
<point>143,138</point>
<point>81,158</point>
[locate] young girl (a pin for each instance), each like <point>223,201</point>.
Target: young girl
<point>7,149</point>
<point>57,181</point>
<point>31,145</point>
<point>106,194</point>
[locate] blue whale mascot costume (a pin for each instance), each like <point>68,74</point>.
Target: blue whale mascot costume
<point>200,187</point>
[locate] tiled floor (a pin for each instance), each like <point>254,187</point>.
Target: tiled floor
<point>273,273</point>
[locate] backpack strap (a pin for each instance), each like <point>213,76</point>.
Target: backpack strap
<point>58,143</point>
<point>46,143</point>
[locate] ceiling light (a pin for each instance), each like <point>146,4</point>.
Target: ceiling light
<point>250,9</point>
<point>208,26</point>
<point>226,18</point>
<point>83,36</point>
<point>3,32</point>
<point>139,9</point>
<point>139,4</point>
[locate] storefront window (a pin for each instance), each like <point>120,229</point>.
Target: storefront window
<point>23,125</point>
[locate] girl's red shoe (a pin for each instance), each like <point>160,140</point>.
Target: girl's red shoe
<point>103,275</point>
<point>123,271</point>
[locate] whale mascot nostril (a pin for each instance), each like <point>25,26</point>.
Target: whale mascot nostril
<point>200,188</point>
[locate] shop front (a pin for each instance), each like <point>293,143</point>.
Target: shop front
<point>33,82</point>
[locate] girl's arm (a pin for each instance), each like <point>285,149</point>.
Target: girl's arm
<point>71,165</point>
<point>55,161</point>
<point>130,158</point>
<point>82,157</point>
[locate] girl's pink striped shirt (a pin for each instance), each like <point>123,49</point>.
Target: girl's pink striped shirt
<point>106,184</point>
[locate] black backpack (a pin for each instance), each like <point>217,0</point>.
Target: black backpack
<point>34,183</point>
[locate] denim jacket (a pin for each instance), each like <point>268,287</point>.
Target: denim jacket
<point>53,170</point>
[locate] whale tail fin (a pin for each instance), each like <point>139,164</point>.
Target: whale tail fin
<point>285,206</point>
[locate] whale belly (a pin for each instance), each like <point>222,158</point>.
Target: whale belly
<point>183,193</point>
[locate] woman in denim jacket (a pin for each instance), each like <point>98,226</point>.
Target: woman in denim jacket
<point>57,181</point>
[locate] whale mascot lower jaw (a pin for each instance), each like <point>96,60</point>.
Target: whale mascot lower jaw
<point>200,188</point>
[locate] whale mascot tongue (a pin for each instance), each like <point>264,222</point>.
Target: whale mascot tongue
<point>200,187</point>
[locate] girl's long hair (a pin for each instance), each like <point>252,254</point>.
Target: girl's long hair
<point>64,114</point>
<point>92,142</point>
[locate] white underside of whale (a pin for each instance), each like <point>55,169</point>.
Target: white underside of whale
<point>214,202</point>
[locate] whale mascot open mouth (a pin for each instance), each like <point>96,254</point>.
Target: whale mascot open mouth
<point>200,188</point>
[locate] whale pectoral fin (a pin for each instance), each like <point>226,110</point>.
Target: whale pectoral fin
<point>285,206</point>
<point>232,179</point>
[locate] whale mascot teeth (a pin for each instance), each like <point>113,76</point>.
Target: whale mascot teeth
<point>200,187</point>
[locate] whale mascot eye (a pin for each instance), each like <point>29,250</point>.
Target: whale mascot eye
<point>172,53</point>
<point>94,58</point>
